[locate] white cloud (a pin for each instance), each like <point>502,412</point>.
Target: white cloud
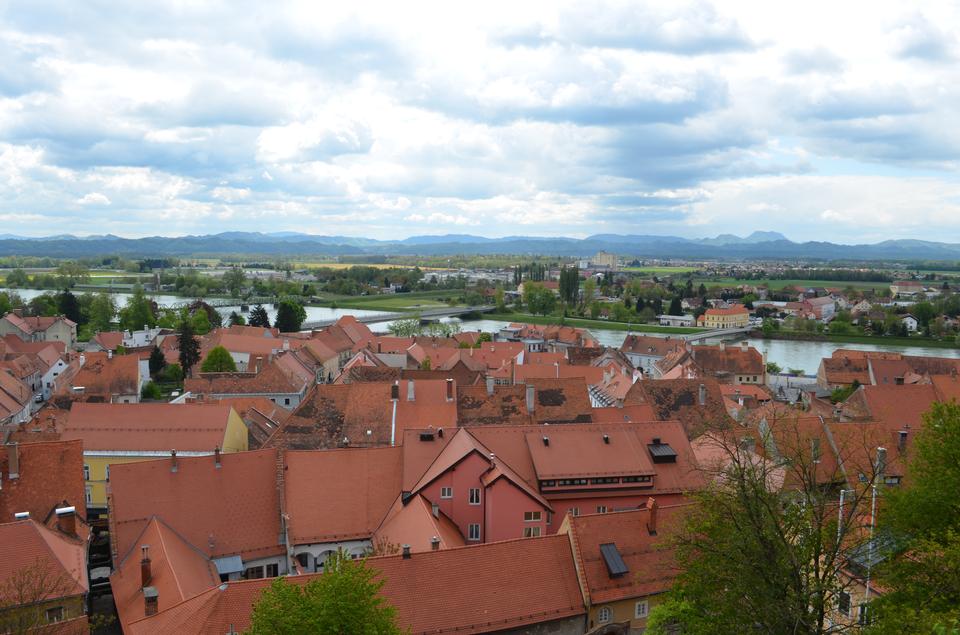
<point>93,198</point>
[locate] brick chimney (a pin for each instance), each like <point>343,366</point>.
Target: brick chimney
<point>150,600</point>
<point>67,520</point>
<point>652,507</point>
<point>435,543</point>
<point>531,398</point>
<point>449,389</point>
<point>146,574</point>
<point>13,461</point>
<point>395,391</point>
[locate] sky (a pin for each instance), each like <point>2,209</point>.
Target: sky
<point>821,120</point>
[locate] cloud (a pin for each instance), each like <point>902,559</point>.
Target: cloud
<point>93,198</point>
<point>816,60</point>
<point>920,39</point>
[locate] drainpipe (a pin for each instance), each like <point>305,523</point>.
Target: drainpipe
<point>393,419</point>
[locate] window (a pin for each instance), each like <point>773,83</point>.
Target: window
<point>55,614</point>
<point>446,492</point>
<point>641,609</point>
<point>473,531</point>
<point>843,603</point>
<point>601,509</point>
<point>549,518</point>
<point>286,401</point>
<point>253,573</point>
<point>273,570</point>
<point>474,495</point>
<point>531,517</point>
<point>531,532</point>
<point>106,472</point>
<point>864,617</point>
<point>89,495</point>
<point>86,472</point>
<point>604,615</point>
<point>574,511</point>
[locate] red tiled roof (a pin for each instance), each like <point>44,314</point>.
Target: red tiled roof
<point>679,400</point>
<point>103,376</point>
<point>507,405</point>
<point>736,310</point>
<point>27,543</point>
<point>270,380</point>
<point>649,345</point>
<point>50,475</point>
<point>598,451</point>
<point>414,524</point>
<point>109,340</point>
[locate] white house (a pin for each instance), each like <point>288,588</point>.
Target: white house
<point>910,322</point>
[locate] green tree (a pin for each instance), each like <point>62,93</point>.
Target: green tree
<point>539,299</point>
<point>69,306</point>
<point>290,315</point>
<point>189,348</point>
<point>259,317</point>
<point>157,361</point>
<point>233,280</point>
<point>498,299</point>
<point>200,322</point>
<point>345,599</point>
<point>171,373</point>
<point>218,360</point>
<point>17,278</point>
<point>676,306</point>
<point>103,309</point>
<point>922,578</point>
<point>236,319</point>
<point>138,311</point>
<point>773,368</point>
<point>151,391</point>
<point>589,289</point>
<point>70,273</point>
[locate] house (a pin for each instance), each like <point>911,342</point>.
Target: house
<point>820,308</point>
<point>622,565</point>
<point>906,288</point>
<point>736,316</point>
<point>45,570</point>
<point>38,477</point>
<point>550,338</point>
<point>677,320</point>
<point>38,329</point>
<point>697,404</point>
<point>728,364</point>
<point>101,378</point>
<point>644,351</point>
<point>910,322</point>
<point>121,433</point>
<point>283,381</point>
<point>16,399</point>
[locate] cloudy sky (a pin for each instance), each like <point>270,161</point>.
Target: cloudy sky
<point>822,120</point>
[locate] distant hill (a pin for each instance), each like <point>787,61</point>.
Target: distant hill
<point>760,244</point>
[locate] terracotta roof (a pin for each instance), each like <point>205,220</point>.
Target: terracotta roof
<point>845,370</point>
<point>649,345</point>
<point>109,340</point>
<point>178,571</point>
<point>507,405</point>
<point>598,451</point>
<point>651,568</point>
<point>27,543</point>
<point>271,380</point>
<point>760,393</point>
<point>367,484</point>
<point>426,589</point>
<point>561,401</point>
<point>206,505</point>
<point>566,334</point>
<point>947,386</point>
<point>50,476</point>
<point>583,355</point>
<point>728,360</point>
<point>679,400</point>
<point>414,524</point>
<point>101,377</point>
<point>32,324</point>
<point>157,427</point>
<point>902,405</point>
<point>14,394</point>
<point>255,331</point>
<point>17,345</point>
<point>735,310</point>
<point>624,414</point>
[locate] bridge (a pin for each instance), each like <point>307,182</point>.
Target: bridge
<point>430,315</point>
<point>704,335</point>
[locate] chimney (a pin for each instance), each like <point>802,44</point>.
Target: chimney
<point>703,395</point>
<point>406,552</point>
<point>146,574</point>
<point>286,344</point>
<point>150,599</point>
<point>435,543</point>
<point>606,439</point>
<point>546,441</point>
<point>109,354</point>
<point>259,364</point>
<point>67,520</point>
<point>837,412</point>
<point>216,457</point>
<point>435,509</point>
<point>902,441</point>
<point>489,386</point>
<point>21,516</point>
<point>13,461</point>
<point>513,370</point>
<point>557,366</point>
<point>449,389</point>
<point>411,391</point>
<point>531,393</point>
<point>173,460</point>
<point>652,507</point>
<point>744,346</point>
<point>723,346</point>
<point>395,391</point>
<point>379,347</point>
<point>83,359</point>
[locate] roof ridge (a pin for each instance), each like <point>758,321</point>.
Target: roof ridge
<point>470,546</point>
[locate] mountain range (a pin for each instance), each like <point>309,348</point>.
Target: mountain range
<point>758,245</point>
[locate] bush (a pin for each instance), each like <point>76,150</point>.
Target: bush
<point>171,373</point>
<point>151,391</point>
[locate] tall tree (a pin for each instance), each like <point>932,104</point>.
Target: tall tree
<point>189,348</point>
<point>236,319</point>
<point>218,360</point>
<point>676,306</point>
<point>259,317</point>
<point>345,599</point>
<point>138,311</point>
<point>233,280</point>
<point>102,311</point>
<point>290,315</point>
<point>157,361</point>
<point>69,306</point>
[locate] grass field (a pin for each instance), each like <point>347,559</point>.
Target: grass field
<point>391,302</point>
<point>927,342</point>
<point>780,284</point>
<point>588,323</point>
<point>661,271</point>
<point>347,265</point>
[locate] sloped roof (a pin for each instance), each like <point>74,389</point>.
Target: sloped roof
<point>104,376</point>
<point>728,359</point>
<point>679,400</point>
<point>507,405</point>
<point>561,400</point>
<point>50,476</point>
<point>650,345</point>
<point>415,524</point>
<point>27,543</point>
<point>109,340</point>
<point>605,451</point>
<point>271,380</point>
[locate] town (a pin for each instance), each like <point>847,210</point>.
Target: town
<point>173,470</point>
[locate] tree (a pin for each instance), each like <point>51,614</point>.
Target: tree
<point>589,289</point>
<point>290,315</point>
<point>233,280</point>
<point>923,577</point>
<point>498,299</point>
<point>17,278</point>
<point>189,348</point>
<point>69,306</point>
<point>236,319</point>
<point>569,284</point>
<point>539,299</point>
<point>102,310</point>
<point>138,311</point>
<point>157,361</point>
<point>773,368</point>
<point>70,273</point>
<point>405,327</point>
<point>764,549</point>
<point>218,360</point>
<point>259,317</point>
<point>676,306</point>
<point>426,364</point>
<point>151,391</point>
<point>200,322</point>
<point>25,595</point>
<point>345,599</point>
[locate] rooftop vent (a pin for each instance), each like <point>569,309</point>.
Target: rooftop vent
<point>606,439</point>
<point>616,567</point>
<point>546,440</point>
<point>426,435</point>
<point>662,452</point>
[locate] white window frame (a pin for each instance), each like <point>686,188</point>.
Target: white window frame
<point>641,609</point>
<point>446,492</point>
<point>604,615</point>
<point>88,495</point>
<point>531,532</point>
<point>473,532</point>
<point>86,472</point>
<point>532,517</point>
<point>601,509</point>
<point>574,511</point>
<point>474,491</point>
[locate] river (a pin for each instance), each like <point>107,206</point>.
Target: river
<point>801,354</point>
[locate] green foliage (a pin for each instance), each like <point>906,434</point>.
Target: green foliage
<point>539,299</point>
<point>233,280</point>
<point>157,361</point>
<point>102,311</point>
<point>200,322</point>
<point>151,391</point>
<point>345,599</point>
<point>218,361</point>
<point>138,311</point>
<point>290,315</point>
<point>171,373</point>
<point>484,337</point>
<point>71,273</point>
<point>844,392</point>
<point>259,317</point>
<point>426,364</point>
<point>406,327</point>
<point>17,278</point>
<point>236,319</point>
<point>189,348</point>
<point>69,306</point>
<point>675,307</point>
<point>499,301</point>
<point>773,368</point>
<point>569,285</point>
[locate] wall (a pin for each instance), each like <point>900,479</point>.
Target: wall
<point>588,504</point>
<point>461,477</point>
<point>567,626</point>
<point>235,439</point>
<point>506,504</point>
<point>60,332</point>
<point>623,611</point>
<point>320,551</point>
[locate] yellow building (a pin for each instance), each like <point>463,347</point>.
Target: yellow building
<point>734,317</point>
<point>124,433</point>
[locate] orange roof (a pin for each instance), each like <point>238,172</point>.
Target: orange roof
<point>109,340</point>
<point>271,379</point>
<point>902,405</point>
<point>560,400</point>
<point>149,427</point>
<point>649,345</point>
<point>625,414</point>
<point>414,524</point>
<point>50,476</point>
<point>368,483</point>
<point>103,375</point>
<point>651,569</point>
<point>605,451</point>
<point>734,310</point>
<point>27,543</point>
<point>947,386</point>
<point>507,405</point>
<point>222,511</point>
<point>428,591</point>
<point>32,324</point>
<point>759,393</point>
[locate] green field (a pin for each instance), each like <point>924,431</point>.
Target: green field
<point>780,284</point>
<point>661,271</point>
<point>391,302</point>
<point>608,325</point>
